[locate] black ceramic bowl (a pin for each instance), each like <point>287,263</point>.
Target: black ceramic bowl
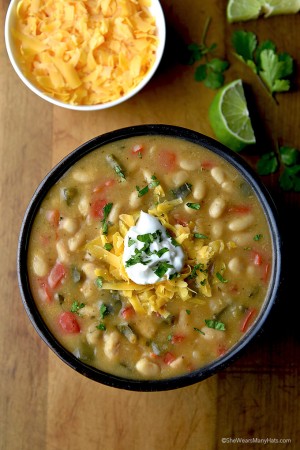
<point>56,173</point>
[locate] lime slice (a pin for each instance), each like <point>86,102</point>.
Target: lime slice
<point>229,117</point>
<point>241,10</point>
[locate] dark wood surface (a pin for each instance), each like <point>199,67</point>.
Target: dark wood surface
<point>44,405</point>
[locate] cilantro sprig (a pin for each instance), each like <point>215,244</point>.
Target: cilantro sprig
<point>273,68</point>
<point>210,72</point>
<point>285,159</point>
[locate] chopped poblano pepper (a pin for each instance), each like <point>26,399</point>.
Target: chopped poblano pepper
<point>116,166</point>
<point>182,191</point>
<point>196,206</point>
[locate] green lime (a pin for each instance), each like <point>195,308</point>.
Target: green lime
<point>238,10</point>
<point>229,117</point>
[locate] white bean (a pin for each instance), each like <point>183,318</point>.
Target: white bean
<point>227,186</point>
<point>146,328</point>
<point>39,265</point>
<point>84,206</point>
<point>76,241</point>
<point>93,334</point>
<point>217,207</point>
<point>62,252</point>
<point>83,176</point>
<point>235,265</point>
<point>89,311</point>
<point>183,320</point>
<point>218,174</point>
<point>69,225</point>
<point>114,213</point>
<point>147,368</point>
<point>111,344</point>
<point>217,229</point>
<point>179,178</point>
<point>88,288</point>
<point>177,363</point>
<point>212,334</point>
<point>241,223</point>
<point>242,239</point>
<point>134,200</point>
<point>187,164</point>
<point>199,190</point>
<point>147,175</point>
<point>153,150</point>
<point>88,269</point>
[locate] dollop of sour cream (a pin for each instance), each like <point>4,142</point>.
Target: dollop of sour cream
<point>150,254</point>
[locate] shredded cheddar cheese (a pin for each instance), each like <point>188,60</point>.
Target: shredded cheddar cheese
<point>85,52</point>
<point>146,299</point>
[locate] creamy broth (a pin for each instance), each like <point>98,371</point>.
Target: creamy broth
<point>184,321</point>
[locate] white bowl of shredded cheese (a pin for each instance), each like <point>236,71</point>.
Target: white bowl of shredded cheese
<point>85,55</point>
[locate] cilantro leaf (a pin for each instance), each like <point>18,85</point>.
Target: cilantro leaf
<point>218,65</point>
<point>76,306</point>
<point>273,69</point>
<point>200,72</point>
<point>162,268</point>
<point>265,45</point>
<point>214,80</point>
<point>215,324</point>
<point>196,206</point>
<point>221,278</point>
<point>288,155</point>
<point>244,43</point>
<point>267,164</point>
<point>290,178</point>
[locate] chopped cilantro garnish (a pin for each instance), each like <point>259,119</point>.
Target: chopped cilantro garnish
<point>106,210</point>
<point>130,242</point>
<point>199,331</point>
<point>174,275</point>
<point>257,237</point>
<point>221,278</point>
<point>188,311</point>
<point>196,206</point>
<point>160,252</point>
<point>193,273</point>
<point>104,311</point>
<point>136,259</point>
<point>151,185</point>
<point>162,268</point>
<point>200,236</point>
<point>99,282</point>
<point>76,306</point>
<point>215,324</point>
<point>101,326</point>
<point>108,246</point>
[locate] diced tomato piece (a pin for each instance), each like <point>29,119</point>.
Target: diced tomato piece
<point>137,149</point>
<point>44,290</point>
<point>240,209</point>
<point>53,217</point>
<point>207,165</point>
<point>248,319</point>
<point>97,208</point>
<point>181,220</point>
<point>257,259</point>
<point>169,358</point>
<point>57,273</point>
<point>127,313</point>
<point>68,322</point>
<point>266,272</point>
<point>177,338</point>
<point>167,160</point>
<point>104,185</point>
<point>221,350</point>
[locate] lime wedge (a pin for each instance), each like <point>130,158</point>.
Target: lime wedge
<point>229,117</point>
<point>241,10</point>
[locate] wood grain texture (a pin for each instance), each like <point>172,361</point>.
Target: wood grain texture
<point>45,405</point>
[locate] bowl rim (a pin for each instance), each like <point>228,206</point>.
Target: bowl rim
<point>60,169</point>
<point>156,10</point>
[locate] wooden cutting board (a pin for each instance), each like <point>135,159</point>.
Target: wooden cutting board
<point>45,405</point>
